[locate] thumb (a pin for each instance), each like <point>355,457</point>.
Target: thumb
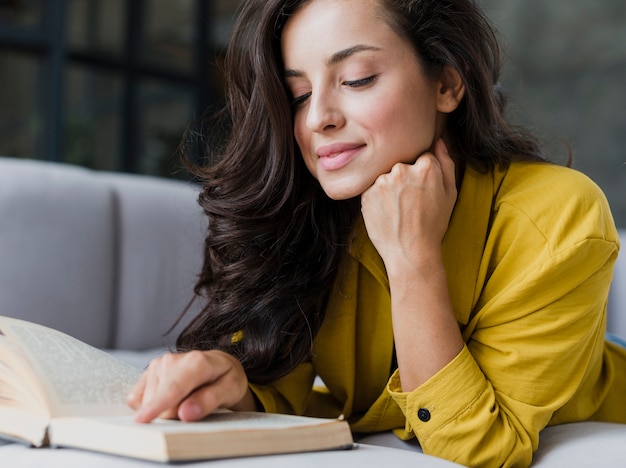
<point>446,163</point>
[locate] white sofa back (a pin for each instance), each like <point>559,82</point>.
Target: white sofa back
<point>109,258</point>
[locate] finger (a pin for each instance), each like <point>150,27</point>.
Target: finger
<point>164,388</point>
<point>447,164</point>
<point>161,368</point>
<point>152,379</point>
<point>164,406</point>
<point>200,403</point>
<point>428,170</point>
<point>174,378</point>
<point>171,413</point>
<point>225,392</point>
<point>135,395</point>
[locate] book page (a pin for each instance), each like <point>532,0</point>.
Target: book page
<point>219,421</point>
<point>78,378</point>
<point>18,386</point>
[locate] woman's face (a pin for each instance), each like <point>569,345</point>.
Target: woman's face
<point>361,101</point>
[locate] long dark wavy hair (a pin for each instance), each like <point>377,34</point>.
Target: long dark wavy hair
<point>274,238</point>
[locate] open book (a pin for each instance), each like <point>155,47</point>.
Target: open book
<point>56,390</point>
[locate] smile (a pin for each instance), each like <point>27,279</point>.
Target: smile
<point>336,156</point>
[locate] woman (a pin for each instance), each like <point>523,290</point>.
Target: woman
<point>410,247</point>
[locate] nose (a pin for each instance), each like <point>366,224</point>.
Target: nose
<point>324,113</point>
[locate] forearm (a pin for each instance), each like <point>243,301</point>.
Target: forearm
<point>426,333</point>
<point>406,213</point>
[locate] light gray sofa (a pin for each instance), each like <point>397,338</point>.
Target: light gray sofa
<point>106,257</point>
<point>112,258</point>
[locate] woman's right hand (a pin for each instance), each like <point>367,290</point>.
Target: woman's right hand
<point>190,386</point>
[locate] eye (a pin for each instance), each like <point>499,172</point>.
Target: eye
<point>297,101</point>
<point>361,82</point>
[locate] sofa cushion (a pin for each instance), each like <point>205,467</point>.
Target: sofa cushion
<point>160,234</point>
<point>109,258</point>
<point>57,249</point>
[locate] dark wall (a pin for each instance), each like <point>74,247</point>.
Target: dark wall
<point>566,68</point>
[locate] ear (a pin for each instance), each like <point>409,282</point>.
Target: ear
<point>450,91</point>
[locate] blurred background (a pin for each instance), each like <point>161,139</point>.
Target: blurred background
<point>112,84</point>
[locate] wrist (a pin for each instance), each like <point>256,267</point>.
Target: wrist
<point>421,266</point>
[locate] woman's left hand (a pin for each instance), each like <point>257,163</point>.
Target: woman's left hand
<point>407,211</point>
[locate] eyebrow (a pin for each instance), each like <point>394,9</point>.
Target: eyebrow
<point>336,58</point>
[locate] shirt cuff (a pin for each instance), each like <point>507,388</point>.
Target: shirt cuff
<point>442,398</point>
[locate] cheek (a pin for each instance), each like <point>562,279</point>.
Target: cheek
<point>382,121</point>
<point>412,117</point>
<point>380,113</point>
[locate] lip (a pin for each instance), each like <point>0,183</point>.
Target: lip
<point>335,156</point>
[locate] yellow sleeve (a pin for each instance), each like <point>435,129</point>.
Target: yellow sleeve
<point>288,395</point>
<point>534,350</point>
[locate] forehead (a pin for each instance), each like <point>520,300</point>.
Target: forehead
<point>328,25</point>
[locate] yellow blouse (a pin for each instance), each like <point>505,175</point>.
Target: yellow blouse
<point>529,254</point>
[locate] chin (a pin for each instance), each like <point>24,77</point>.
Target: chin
<point>341,193</point>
